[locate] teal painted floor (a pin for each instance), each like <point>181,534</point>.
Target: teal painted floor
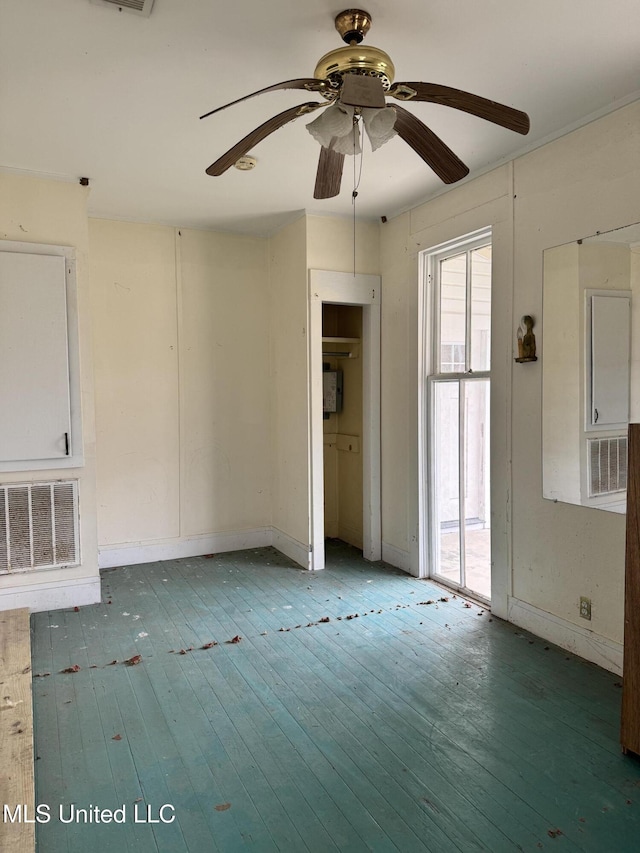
<point>373,722</point>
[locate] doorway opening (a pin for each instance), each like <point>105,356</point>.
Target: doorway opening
<point>342,422</point>
<point>456,321</point>
<point>344,361</point>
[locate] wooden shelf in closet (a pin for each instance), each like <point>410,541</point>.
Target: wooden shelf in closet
<point>340,347</point>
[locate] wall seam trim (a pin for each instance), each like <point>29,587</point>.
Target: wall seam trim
<point>177,257</point>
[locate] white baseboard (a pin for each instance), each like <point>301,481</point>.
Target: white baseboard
<point>290,547</point>
<point>574,638</point>
<point>52,596</point>
<point>215,543</point>
<point>396,557</point>
<point>350,535</point>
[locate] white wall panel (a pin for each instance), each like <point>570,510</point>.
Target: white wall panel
<point>35,416</point>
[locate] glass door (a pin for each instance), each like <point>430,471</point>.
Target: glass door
<point>459,419</point>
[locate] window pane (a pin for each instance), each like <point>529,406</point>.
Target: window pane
<point>452,358</point>
<point>447,487</point>
<point>480,309</point>
<point>477,538</point>
<point>453,307</point>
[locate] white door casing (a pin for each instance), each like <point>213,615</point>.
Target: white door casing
<point>346,289</point>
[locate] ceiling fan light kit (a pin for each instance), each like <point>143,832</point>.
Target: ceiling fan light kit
<point>354,82</point>
<point>337,127</point>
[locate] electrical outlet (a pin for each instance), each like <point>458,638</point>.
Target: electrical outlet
<point>585,607</point>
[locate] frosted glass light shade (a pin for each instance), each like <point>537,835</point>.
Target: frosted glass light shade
<point>336,128</point>
<point>379,125</point>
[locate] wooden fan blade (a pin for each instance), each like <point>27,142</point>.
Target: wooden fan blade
<point>311,84</point>
<point>329,174</point>
<point>465,101</point>
<point>430,147</point>
<point>251,139</point>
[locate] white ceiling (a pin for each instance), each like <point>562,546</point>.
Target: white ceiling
<point>87,90</point>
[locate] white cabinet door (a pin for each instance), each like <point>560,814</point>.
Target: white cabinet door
<point>610,346</point>
<point>34,358</point>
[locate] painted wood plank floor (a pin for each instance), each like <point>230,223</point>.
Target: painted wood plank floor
<point>350,716</point>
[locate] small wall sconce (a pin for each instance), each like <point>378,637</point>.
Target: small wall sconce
<point>526,340</point>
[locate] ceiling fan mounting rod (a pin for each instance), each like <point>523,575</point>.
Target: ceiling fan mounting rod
<point>353,25</point>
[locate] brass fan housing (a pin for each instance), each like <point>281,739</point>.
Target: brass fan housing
<point>356,59</point>
<point>353,25</point>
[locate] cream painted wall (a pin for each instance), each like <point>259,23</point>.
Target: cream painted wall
<point>585,182</point>
<point>330,245</point>
<point>545,555</point>
<point>201,384</point>
<point>182,388</point>
<point>135,335</point>
<point>225,394</point>
<point>44,211</point>
<point>289,389</point>
<point>604,266</point>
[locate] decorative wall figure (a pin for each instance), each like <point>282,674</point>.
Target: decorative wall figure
<point>526,340</point>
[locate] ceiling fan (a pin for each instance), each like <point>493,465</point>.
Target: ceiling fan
<point>354,82</point>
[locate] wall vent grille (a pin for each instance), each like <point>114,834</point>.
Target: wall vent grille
<point>38,526</point>
<point>607,465</point>
<point>140,7</point>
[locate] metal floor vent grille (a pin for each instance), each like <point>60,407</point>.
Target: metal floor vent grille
<point>607,465</point>
<point>141,7</point>
<point>38,526</point>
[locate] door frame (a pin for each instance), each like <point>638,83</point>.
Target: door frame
<point>341,288</point>
<point>428,339</point>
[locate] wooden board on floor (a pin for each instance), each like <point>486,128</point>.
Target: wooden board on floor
<point>630,723</point>
<point>16,732</point>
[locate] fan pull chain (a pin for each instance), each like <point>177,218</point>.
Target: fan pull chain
<point>354,195</point>
<point>356,182</point>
